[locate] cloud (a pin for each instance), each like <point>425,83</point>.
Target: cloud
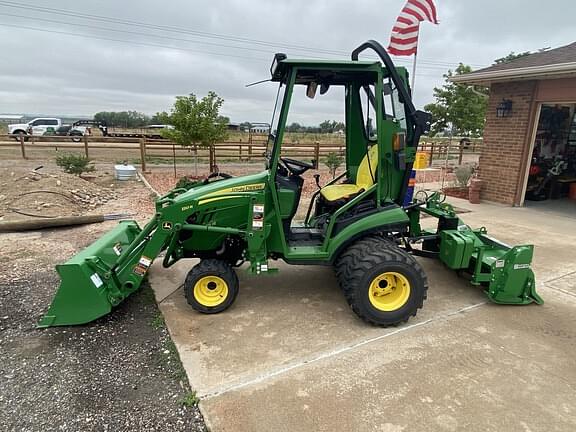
<point>83,71</point>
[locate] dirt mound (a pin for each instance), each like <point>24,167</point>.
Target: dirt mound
<point>48,193</point>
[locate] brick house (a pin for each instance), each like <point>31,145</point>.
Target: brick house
<point>530,122</point>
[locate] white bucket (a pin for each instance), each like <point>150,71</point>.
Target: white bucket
<point>124,172</point>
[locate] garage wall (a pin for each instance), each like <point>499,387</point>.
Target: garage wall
<point>506,141</point>
<point>558,90</point>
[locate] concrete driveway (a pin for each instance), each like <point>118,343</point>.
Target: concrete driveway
<point>291,356</point>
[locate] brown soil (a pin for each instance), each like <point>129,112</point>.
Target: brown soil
<point>48,192</point>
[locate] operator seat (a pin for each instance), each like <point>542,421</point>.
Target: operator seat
<point>364,179</point>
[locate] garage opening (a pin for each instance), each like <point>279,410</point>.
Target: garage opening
<point>551,182</point>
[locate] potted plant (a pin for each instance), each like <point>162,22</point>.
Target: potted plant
<point>463,175</point>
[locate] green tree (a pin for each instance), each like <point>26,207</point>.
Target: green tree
<point>327,126</point>
<point>125,119</point>
<point>197,122</point>
<point>333,162</point>
<point>245,126</point>
<point>459,107</point>
<point>156,119</point>
<point>294,127</point>
<point>339,126</point>
<point>511,56</point>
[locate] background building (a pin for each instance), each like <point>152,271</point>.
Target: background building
<point>529,150</point>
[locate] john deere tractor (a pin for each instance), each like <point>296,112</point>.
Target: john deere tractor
<point>360,223</point>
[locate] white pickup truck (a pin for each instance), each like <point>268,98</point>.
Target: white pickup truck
<point>38,126</point>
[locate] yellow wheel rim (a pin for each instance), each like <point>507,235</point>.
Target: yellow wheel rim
<point>210,291</point>
<point>389,291</point>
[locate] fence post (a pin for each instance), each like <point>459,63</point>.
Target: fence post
<point>85,137</point>
<point>317,153</point>
<point>22,146</point>
<point>143,154</point>
<point>249,152</point>
<point>240,150</point>
<point>431,154</point>
<point>460,152</point>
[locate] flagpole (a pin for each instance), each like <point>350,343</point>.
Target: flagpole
<point>414,73</point>
<point>414,65</point>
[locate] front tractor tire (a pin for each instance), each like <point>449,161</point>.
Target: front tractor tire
<point>383,284</point>
<point>211,286</point>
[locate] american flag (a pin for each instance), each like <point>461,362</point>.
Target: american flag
<point>404,39</point>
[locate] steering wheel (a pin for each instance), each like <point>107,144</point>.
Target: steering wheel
<point>297,167</point>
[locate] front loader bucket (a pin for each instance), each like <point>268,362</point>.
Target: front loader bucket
<point>88,288</point>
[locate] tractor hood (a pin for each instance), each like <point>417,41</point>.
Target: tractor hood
<point>220,188</point>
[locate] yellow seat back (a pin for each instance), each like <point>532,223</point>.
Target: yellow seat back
<point>367,172</point>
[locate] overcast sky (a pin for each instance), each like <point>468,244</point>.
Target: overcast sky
<point>61,63</point>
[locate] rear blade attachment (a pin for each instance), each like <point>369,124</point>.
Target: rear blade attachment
<point>89,288</point>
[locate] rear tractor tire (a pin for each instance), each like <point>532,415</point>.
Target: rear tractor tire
<point>383,284</point>
<point>211,286</point>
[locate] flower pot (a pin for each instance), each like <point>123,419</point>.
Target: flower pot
<point>456,192</point>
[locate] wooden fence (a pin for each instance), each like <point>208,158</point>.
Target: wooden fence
<point>144,151</point>
<point>450,151</point>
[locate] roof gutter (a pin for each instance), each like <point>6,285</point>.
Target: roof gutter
<point>515,74</point>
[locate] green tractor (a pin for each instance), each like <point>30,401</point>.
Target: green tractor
<point>359,223</point>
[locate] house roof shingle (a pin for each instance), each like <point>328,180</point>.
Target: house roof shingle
<point>561,60</point>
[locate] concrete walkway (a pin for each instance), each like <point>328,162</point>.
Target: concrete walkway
<point>291,356</point>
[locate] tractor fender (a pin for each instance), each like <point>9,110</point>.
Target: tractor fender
<point>386,221</point>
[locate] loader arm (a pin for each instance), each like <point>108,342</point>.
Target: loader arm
<point>101,276</point>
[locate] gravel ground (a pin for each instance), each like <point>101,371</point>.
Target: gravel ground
<point>119,373</point>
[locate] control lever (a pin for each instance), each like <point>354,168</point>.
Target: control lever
<point>317,178</point>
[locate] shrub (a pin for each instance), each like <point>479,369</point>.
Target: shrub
<point>333,162</point>
<point>463,174</point>
<point>74,163</point>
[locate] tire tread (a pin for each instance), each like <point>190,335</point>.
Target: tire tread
<point>364,255</point>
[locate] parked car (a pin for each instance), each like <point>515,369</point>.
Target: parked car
<point>38,126</point>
